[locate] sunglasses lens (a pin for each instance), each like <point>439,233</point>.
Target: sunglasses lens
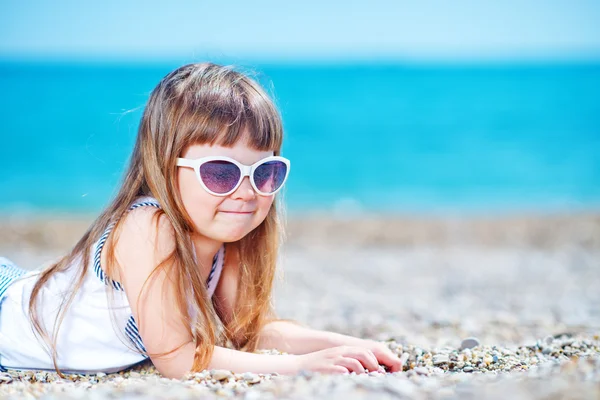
<point>269,176</point>
<point>220,176</point>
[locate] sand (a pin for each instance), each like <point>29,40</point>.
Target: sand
<point>525,287</point>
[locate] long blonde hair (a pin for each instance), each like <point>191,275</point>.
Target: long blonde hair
<point>200,103</point>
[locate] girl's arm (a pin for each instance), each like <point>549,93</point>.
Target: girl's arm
<point>179,363</point>
<point>291,337</point>
<point>284,335</point>
<point>240,361</point>
<point>140,247</point>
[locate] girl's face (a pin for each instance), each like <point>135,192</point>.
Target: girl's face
<point>223,218</point>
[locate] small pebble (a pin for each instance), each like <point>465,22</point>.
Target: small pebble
<point>404,358</point>
<point>440,359</point>
<point>251,378</point>
<point>469,343</point>
<point>221,374</point>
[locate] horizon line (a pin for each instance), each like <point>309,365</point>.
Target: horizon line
<point>299,60</point>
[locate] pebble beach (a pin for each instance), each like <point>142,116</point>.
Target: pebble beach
<point>476,308</point>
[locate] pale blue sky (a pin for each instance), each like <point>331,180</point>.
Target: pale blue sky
<point>308,29</point>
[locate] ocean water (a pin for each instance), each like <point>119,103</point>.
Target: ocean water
<point>361,138</point>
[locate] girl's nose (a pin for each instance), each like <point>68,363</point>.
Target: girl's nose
<point>245,191</point>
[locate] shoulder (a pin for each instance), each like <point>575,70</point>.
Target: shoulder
<point>143,237</point>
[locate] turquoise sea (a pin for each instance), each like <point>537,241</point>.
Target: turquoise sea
<point>406,138</point>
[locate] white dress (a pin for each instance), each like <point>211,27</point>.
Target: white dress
<point>95,336</point>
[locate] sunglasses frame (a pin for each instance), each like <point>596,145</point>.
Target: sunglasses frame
<point>246,170</point>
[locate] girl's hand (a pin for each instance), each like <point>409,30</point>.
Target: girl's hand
<point>340,359</point>
<point>382,352</point>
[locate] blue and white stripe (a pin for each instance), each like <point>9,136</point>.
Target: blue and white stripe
<point>132,332</point>
<point>8,273</point>
<point>212,270</point>
<point>97,269</point>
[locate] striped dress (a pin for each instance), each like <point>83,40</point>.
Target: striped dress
<point>97,334</point>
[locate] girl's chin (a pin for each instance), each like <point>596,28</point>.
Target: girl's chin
<point>231,234</point>
<point>231,238</point>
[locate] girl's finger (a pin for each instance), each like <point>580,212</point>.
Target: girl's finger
<point>365,356</point>
<point>389,359</point>
<point>374,366</point>
<point>395,363</point>
<point>396,366</point>
<point>352,364</point>
<point>338,369</point>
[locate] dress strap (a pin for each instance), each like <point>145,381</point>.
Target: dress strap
<point>9,272</point>
<point>215,272</point>
<point>145,201</point>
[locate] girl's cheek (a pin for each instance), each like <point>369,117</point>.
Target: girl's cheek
<point>199,204</point>
<point>206,205</point>
<point>193,193</point>
<point>186,185</point>
<point>266,204</point>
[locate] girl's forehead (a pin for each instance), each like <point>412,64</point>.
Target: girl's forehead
<point>240,151</point>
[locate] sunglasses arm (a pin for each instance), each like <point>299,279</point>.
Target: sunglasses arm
<point>183,162</point>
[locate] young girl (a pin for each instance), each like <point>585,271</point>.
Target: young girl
<point>180,266</point>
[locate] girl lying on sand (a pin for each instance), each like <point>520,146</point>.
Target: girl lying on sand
<point>179,268</point>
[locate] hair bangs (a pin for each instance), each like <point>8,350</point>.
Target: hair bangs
<point>244,112</point>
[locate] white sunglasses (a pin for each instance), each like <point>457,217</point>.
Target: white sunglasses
<point>221,176</point>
